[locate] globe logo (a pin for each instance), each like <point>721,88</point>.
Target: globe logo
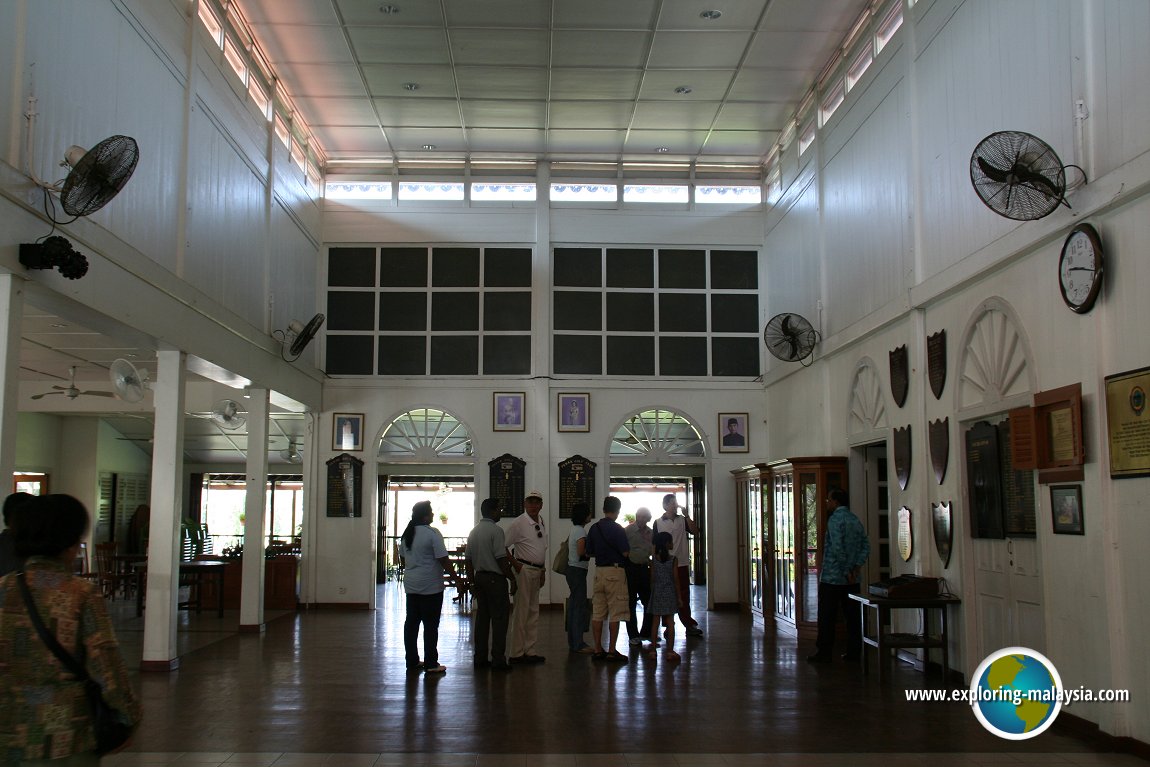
<point>1016,693</point>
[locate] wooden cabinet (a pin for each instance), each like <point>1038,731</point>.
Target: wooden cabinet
<point>782,520</point>
<point>280,576</point>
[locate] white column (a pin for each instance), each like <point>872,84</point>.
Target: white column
<point>252,592</point>
<point>11,318</point>
<point>167,506</point>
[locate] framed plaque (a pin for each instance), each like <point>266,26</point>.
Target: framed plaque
<point>508,483</point>
<point>940,520</point>
<point>576,484</point>
<point>936,362</point>
<point>347,431</point>
<point>902,456</point>
<point>899,375</point>
<point>1066,509</point>
<point>938,437</point>
<point>574,411</point>
<point>1128,423</point>
<point>344,486</point>
<point>507,411</point>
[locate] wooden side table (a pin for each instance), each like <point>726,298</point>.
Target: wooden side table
<point>884,640</point>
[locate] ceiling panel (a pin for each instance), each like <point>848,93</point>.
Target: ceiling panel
<point>740,143</point>
<point>676,141</point>
<point>508,141</point>
<point>512,47</point>
<point>599,114</point>
<point>594,84</point>
<point>371,12</point>
<point>563,65</point>
<point>502,82</point>
<point>695,115</point>
<point>385,45</point>
<point>578,48</point>
<point>692,50</point>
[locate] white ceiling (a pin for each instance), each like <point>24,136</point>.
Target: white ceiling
<point>52,345</point>
<point>549,79</point>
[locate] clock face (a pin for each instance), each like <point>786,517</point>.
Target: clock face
<point>1080,268</point>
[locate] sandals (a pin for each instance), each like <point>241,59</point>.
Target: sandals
<point>599,655</point>
<point>617,657</point>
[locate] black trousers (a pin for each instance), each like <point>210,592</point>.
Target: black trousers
<point>422,609</point>
<point>491,617</point>
<point>832,598</point>
<point>638,590</point>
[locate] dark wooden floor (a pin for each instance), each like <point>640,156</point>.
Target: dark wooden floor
<point>334,682</point>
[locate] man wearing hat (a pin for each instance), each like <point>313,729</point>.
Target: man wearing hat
<point>527,553</point>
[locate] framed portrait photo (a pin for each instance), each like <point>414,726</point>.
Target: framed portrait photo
<point>574,412</point>
<point>1066,509</point>
<point>733,437</point>
<point>347,432</point>
<point>507,411</point>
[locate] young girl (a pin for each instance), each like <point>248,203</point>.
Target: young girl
<point>665,594</point>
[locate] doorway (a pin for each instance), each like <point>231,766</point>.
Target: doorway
<point>452,498</point>
<point>1004,546</point>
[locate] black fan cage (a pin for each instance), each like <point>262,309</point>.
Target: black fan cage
<point>790,337</point>
<point>99,175</point>
<point>1017,175</point>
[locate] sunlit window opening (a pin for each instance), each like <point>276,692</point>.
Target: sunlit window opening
<point>256,91</point>
<point>358,190</point>
<point>888,27</point>
<point>806,139</point>
<point>236,60</point>
<point>860,65</point>
<point>211,23</point>
<point>832,101</point>
<point>409,190</point>
<point>506,192</point>
<point>298,156</point>
<point>729,195</point>
<point>584,193</point>
<point>655,193</point>
<point>657,434</point>
<point>282,131</point>
<point>223,505</point>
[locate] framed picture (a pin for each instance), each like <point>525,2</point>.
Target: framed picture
<point>733,437</point>
<point>507,411</point>
<point>1066,509</point>
<point>347,431</point>
<point>574,412</point>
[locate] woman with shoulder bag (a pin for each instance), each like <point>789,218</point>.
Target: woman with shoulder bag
<point>45,706</point>
<point>577,562</point>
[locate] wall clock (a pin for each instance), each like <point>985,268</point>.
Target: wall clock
<point>1080,268</point>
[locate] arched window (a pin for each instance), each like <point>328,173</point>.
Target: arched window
<point>657,436</point>
<point>425,434</point>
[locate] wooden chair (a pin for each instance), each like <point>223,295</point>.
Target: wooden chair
<point>108,573</point>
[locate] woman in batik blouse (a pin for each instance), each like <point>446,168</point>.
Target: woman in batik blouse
<point>44,715</point>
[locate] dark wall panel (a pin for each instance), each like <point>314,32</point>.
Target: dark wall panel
<point>403,267</point>
<point>578,355</point>
<point>349,355</point>
<point>402,355</point>
<point>454,355</point>
<point>506,355</point>
<point>578,267</point>
<point>351,267</point>
<point>348,310</point>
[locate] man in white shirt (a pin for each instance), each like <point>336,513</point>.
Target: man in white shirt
<point>527,553</point>
<point>679,527</point>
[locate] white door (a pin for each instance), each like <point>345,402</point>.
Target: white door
<point>1008,583</point>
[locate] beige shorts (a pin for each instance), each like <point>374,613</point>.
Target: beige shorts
<point>609,600</point>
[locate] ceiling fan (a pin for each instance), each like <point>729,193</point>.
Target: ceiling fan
<point>71,391</point>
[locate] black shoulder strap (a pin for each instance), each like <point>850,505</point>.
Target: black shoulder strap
<point>64,656</point>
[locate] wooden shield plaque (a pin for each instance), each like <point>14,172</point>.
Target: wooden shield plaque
<point>939,439</point>
<point>936,362</point>
<point>899,375</point>
<point>902,456</point>
<point>905,536</point>
<point>940,517</point>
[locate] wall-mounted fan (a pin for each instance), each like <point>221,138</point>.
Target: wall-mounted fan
<point>71,391</point>
<point>790,337</point>
<point>226,415</point>
<point>1019,176</point>
<point>297,336</point>
<point>98,174</point>
<point>129,382</point>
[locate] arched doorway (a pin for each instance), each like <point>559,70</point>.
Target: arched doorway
<point>425,453</point>
<point>656,451</point>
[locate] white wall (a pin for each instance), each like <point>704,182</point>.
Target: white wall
<point>921,253</point>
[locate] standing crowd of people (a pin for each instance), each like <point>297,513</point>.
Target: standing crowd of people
<point>507,569</point>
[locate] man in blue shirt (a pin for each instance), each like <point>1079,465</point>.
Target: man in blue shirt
<point>845,550</point>
<point>607,543</point>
